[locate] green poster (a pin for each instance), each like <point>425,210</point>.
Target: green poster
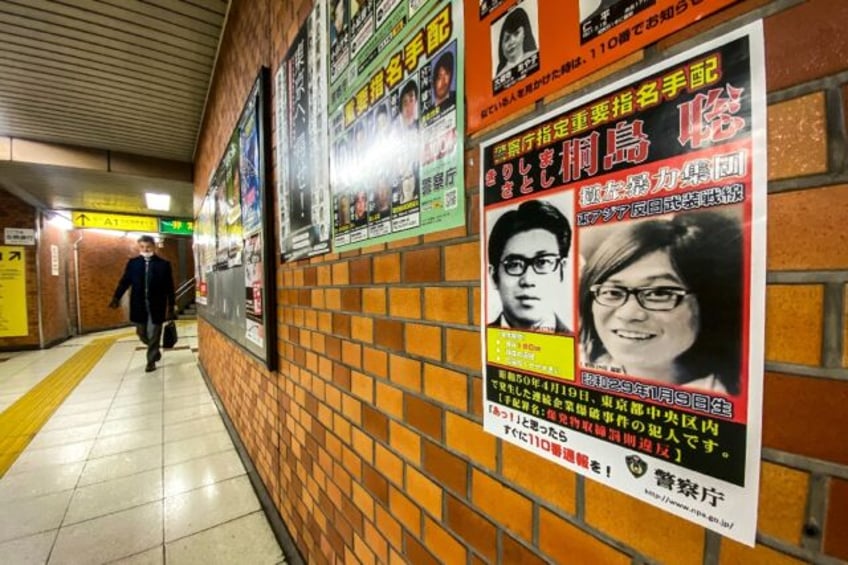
<point>396,159</point>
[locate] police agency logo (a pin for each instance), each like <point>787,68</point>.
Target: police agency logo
<point>636,465</point>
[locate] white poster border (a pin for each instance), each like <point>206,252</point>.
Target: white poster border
<point>744,499</point>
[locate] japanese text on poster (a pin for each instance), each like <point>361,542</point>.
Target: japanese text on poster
<point>624,246</point>
<point>396,156</point>
<point>524,50</point>
<point>302,142</point>
<point>359,31</point>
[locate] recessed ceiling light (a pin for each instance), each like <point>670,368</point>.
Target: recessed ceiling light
<point>158,201</point>
<point>60,220</point>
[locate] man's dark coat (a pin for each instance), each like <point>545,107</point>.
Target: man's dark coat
<point>160,289</point>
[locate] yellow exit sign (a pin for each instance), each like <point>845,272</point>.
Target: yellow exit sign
<point>121,222</point>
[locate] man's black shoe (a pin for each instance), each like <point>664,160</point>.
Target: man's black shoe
<point>158,356</point>
<point>150,368</point>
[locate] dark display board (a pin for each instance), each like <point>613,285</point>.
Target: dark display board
<point>233,259</point>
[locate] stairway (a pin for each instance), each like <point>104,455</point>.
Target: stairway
<point>188,312</point>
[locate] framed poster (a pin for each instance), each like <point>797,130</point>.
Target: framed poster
<point>396,154</point>
<point>524,50</point>
<point>235,283</point>
<point>303,142</point>
<point>624,252</point>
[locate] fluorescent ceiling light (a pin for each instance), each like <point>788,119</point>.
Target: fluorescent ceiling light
<point>60,221</point>
<point>138,234</point>
<point>111,233</point>
<point>158,201</point>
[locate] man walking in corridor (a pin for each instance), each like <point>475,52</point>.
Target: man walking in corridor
<point>151,297</point>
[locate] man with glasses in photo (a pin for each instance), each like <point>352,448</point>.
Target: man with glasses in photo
<point>527,251</point>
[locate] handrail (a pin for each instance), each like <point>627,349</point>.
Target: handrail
<point>185,289</point>
<point>185,286</point>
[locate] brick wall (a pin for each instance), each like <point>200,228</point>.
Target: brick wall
<point>102,259</point>
<point>15,213</point>
<point>369,437</point>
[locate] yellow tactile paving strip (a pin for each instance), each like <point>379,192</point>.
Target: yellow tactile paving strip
<point>22,420</point>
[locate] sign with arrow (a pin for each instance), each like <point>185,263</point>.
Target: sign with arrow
<point>120,222</point>
<point>176,226</point>
<point>13,299</point>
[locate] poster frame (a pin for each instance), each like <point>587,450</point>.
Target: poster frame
<point>267,353</point>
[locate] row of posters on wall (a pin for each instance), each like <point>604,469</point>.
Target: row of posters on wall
<point>370,120</point>
<point>370,101</point>
<point>229,225</point>
<point>623,234</point>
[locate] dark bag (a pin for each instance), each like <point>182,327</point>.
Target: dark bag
<point>169,335</point>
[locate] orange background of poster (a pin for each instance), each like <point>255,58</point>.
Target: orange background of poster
<point>558,40</point>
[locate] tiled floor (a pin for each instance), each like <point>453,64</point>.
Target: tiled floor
<point>134,467</point>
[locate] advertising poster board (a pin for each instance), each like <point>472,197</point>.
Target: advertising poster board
<point>524,50</point>
<point>254,284</point>
<point>204,247</point>
<point>13,296</point>
<point>250,169</point>
<point>251,194</point>
<point>218,192</point>
<point>303,142</point>
<point>624,252</point>
<point>235,283</point>
<point>233,180</point>
<point>396,154</point>
<point>359,30</point>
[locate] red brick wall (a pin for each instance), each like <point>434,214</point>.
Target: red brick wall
<point>102,259</point>
<point>369,437</point>
<point>15,213</point>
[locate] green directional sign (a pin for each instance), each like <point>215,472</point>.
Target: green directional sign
<point>176,227</point>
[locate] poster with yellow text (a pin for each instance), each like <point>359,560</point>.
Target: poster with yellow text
<point>623,294</point>
<point>13,300</point>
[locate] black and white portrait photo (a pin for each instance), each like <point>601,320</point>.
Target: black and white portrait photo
<point>661,299</point>
<point>530,264</point>
<point>515,45</point>
<point>597,16</point>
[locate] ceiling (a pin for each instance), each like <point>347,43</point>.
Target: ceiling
<point>127,76</point>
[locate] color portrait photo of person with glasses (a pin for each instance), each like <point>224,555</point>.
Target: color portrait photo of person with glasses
<point>528,250</point>
<point>661,300</point>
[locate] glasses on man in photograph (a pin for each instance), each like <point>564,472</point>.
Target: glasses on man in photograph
<point>516,265</point>
<point>656,298</point>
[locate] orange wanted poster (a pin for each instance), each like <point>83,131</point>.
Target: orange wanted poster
<point>522,50</point>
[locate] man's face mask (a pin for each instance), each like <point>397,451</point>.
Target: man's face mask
<point>145,249</point>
